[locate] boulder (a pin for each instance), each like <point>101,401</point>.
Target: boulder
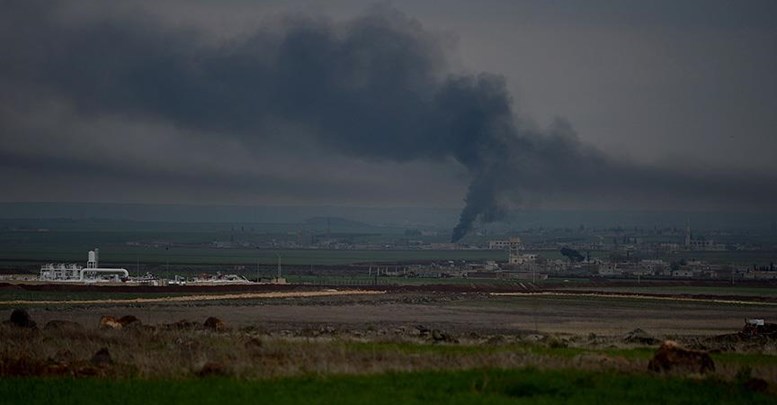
<point>439,336</point>
<point>671,357</point>
<point>215,324</point>
<point>102,358</point>
<point>109,322</point>
<point>423,331</point>
<point>60,325</point>
<point>212,369</point>
<point>534,337</point>
<point>127,320</point>
<point>641,337</point>
<point>63,356</point>
<point>21,319</point>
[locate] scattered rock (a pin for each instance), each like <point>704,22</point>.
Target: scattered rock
<point>308,332</point>
<point>22,319</point>
<point>102,358</point>
<point>696,344</point>
<point>671,357</point>
<point>87,371</point>
<point>439,336</point>
<point>185,324</point>
<point>215,324</point>
<point>412,331</point>
<point>423,331</point>
<point>639,336</point>
<point>59,325</point>
<point>212,369</point>
<point>253,343</point>
<point>556,343</point>
<point>109,322</point>
<point>188,345</point>
<point>534,337</point>
<point>63,356</point>
<point>497,340</point>
<point>57,368</point>
<point>128,320</point>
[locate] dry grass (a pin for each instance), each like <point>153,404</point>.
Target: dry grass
<point>167,351</point>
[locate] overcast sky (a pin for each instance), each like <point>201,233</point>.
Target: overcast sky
<point>340,102</point>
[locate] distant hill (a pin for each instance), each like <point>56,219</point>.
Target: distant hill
<point>360,219</point>
<point>404,217</point>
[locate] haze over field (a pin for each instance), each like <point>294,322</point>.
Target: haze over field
<point>242,103</point>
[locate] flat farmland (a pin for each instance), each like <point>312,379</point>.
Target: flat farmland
<point>461,313</point>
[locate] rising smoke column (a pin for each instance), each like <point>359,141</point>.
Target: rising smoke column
<point>375,87</point>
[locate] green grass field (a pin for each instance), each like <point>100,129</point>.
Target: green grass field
<point>492,386</point>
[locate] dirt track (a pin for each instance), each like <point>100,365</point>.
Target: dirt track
<point>196,298</point>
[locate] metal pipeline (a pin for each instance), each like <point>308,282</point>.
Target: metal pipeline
<point>123,272</point>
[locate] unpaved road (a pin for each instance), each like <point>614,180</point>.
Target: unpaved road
<point>196,298</point>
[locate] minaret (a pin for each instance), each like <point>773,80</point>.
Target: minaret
<point>514,249</point>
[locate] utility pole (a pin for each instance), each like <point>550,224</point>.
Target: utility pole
<point>279,266</point>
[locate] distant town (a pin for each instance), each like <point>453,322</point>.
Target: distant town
<point>615,252</point>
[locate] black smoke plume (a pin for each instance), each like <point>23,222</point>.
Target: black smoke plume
<point>375,87</point>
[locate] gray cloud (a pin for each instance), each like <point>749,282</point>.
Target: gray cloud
<point>373,87</point>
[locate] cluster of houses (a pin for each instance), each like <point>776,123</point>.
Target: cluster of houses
<point>691,269</point>
<point>520,264</point>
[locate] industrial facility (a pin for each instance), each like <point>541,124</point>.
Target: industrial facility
<point>92,273</point>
